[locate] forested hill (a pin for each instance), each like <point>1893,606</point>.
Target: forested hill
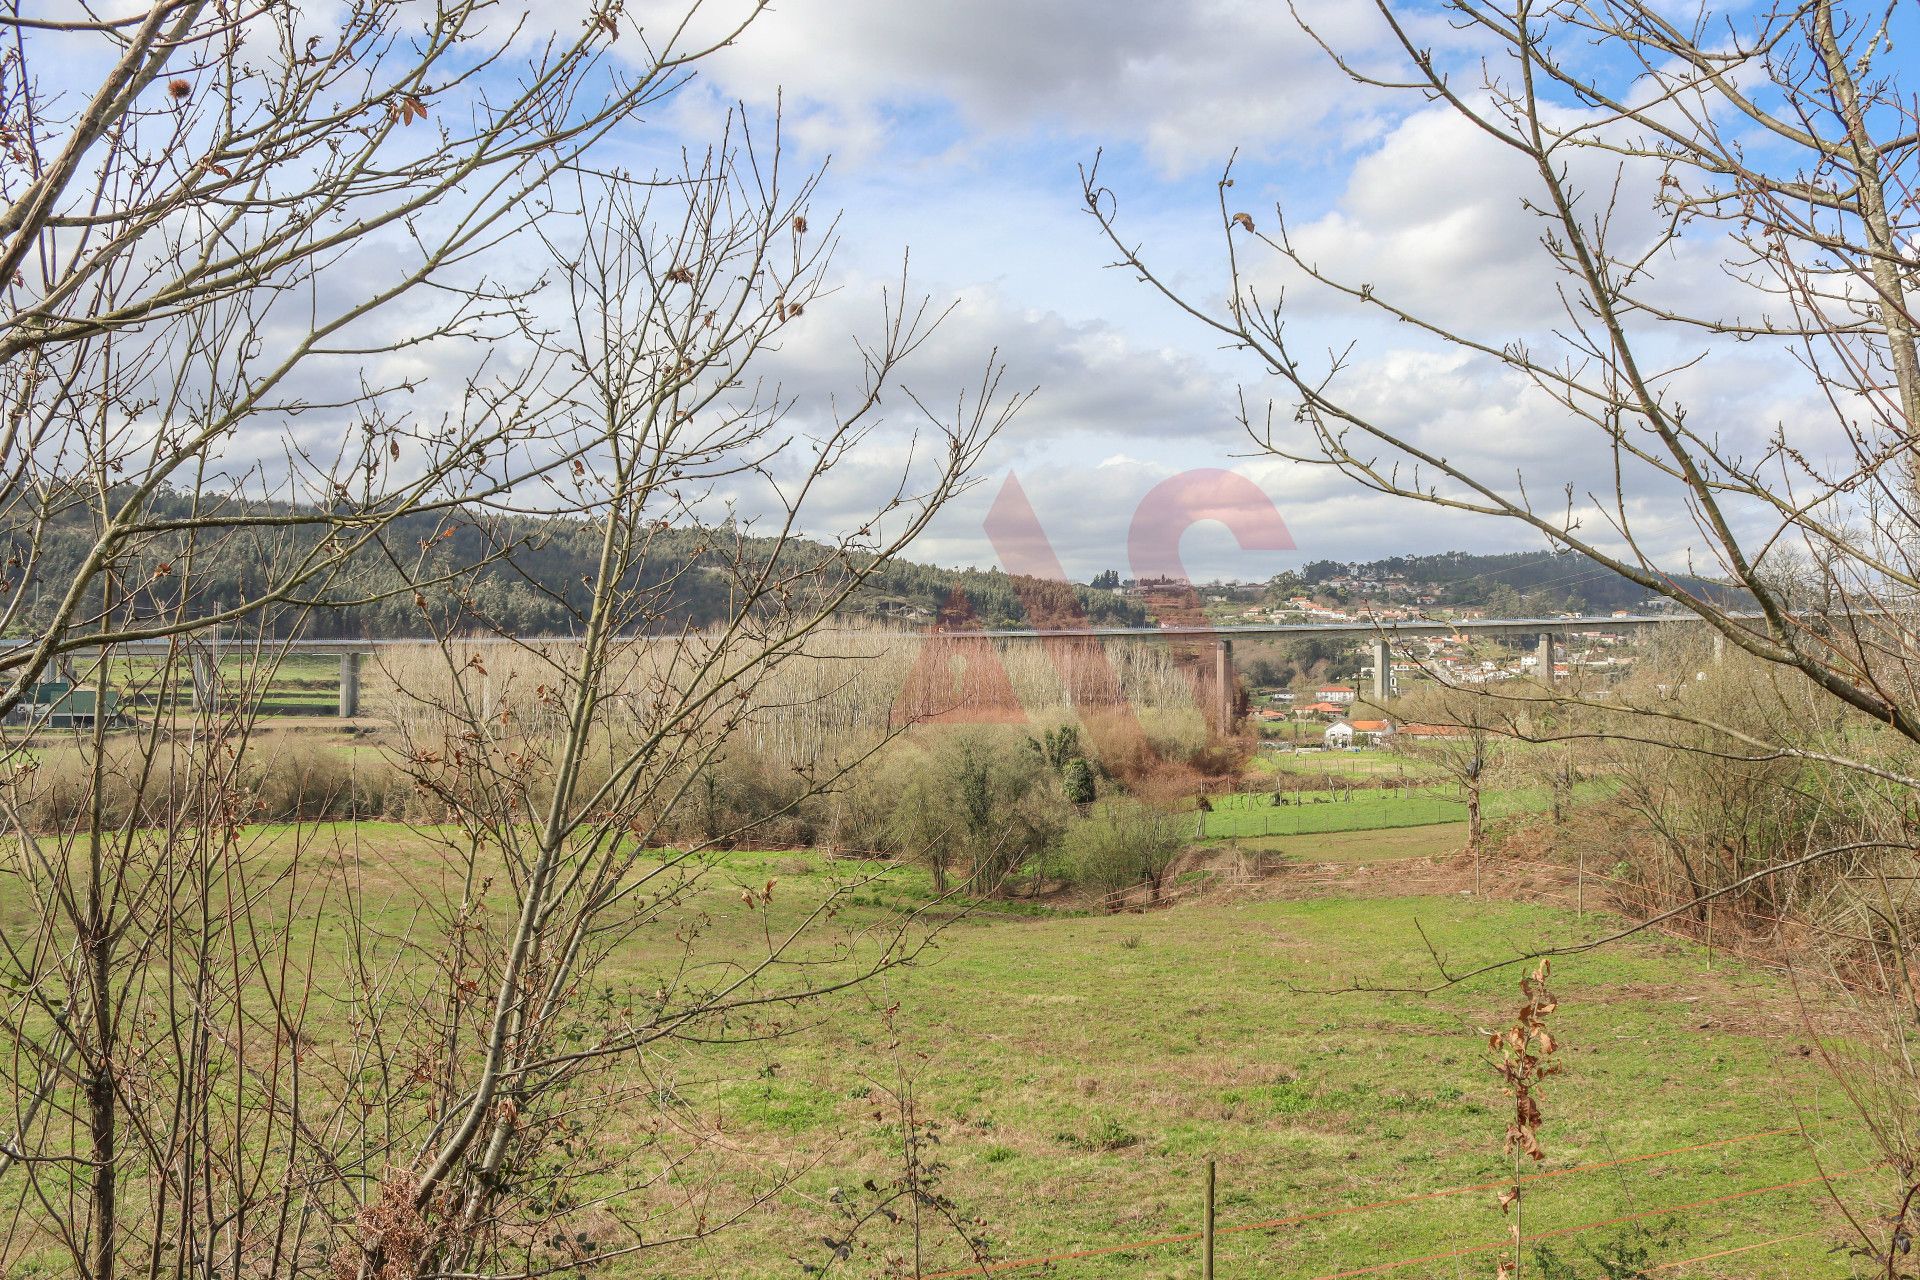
<point>1520,584</point>
<point>521,575</point>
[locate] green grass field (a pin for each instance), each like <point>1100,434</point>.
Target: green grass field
<point>301,684</point>
<point>1081,1070</point>
<point>1077,1070</point>
<point>1239,815</point>
<point>1364,847</point>
<point>1255,814</point>
<point>1344,764</point>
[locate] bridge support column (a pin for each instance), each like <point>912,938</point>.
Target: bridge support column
<point>350,685</point>
<point>202,676</point>
<point>1382,671</point>
<point>1545,652</point>
<point>1223,684</point>
<point>1719,648</point>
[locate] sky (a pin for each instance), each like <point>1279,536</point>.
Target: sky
<point>954,134</point>
<point>956,131</point>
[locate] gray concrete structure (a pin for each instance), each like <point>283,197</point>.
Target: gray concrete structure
<point>204,675</point>
<point>1381,632</point>
<point>1224,683</point>
<point>350,684</point>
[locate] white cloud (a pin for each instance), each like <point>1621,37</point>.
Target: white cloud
<point>1188,82</point>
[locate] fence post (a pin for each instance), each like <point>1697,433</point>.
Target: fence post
<point>1206,1231</point>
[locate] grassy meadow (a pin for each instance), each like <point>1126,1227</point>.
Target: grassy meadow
<point>1254,813</point>
<point>1082,1068</point>
<point>1071,1072</point>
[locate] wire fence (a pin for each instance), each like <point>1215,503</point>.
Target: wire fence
<point>1253,814</point>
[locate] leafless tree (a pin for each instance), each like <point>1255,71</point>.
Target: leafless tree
<point>1458,728</point>
<point>235,234</point>
<point>1777,144</point>
<point>1814,242</point>
<point>234,254</point>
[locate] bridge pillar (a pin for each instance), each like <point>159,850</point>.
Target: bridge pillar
<point>1382,671</point>
<point>1719,648</point>
<point>350,685</point>
<point>1545,651</point>
<point>203,677</point>
<point>1223,683</point>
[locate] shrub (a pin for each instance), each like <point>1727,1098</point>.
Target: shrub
<point>744,798</point>
<point>304,780</point>
<point>975,798</point>
<point>1076,779</point>
<point>1121,844</point>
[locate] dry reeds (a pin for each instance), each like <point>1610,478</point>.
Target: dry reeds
<point>835,694</point>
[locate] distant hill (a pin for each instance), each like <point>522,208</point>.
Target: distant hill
<point>690,575</point>
<point>1519,584</point>
<point>526,575</point>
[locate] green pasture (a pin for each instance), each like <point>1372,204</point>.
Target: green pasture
<point>1074,1072</point>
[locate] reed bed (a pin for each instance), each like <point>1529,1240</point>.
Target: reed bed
<point>840,690</point>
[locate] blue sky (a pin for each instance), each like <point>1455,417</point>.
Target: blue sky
<point>956,129</point>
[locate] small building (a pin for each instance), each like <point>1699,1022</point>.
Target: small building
<point>1317,709</point>
<point>1356,733</point>
<point>1342,694</point>
<point>57,704</point>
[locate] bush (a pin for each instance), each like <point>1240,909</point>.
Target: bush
<point>974,798</point>
<point>1121,844</point>
<point>311,781</point>
<point>744,799</point>
<point>1076,779</point>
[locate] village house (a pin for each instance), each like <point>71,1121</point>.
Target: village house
<point>1347,733</point>
<point>1341,694</point>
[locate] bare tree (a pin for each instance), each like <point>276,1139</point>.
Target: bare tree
<point>1814,239</point>
<point>234,236</point>
<point>279,1050</point>
<point>1777,145</point>
<point>1458,727</point>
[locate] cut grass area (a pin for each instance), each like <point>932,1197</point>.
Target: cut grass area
<point>1077,1071</point>
<point>1392,844</point>
<point>1255,814</point>
<point>1242,814</point>
<point>300,684</point>
<point>1344,764</point>
<point>1080,1070</point>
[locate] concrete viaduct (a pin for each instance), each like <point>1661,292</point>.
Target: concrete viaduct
<point>1545,631</point>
